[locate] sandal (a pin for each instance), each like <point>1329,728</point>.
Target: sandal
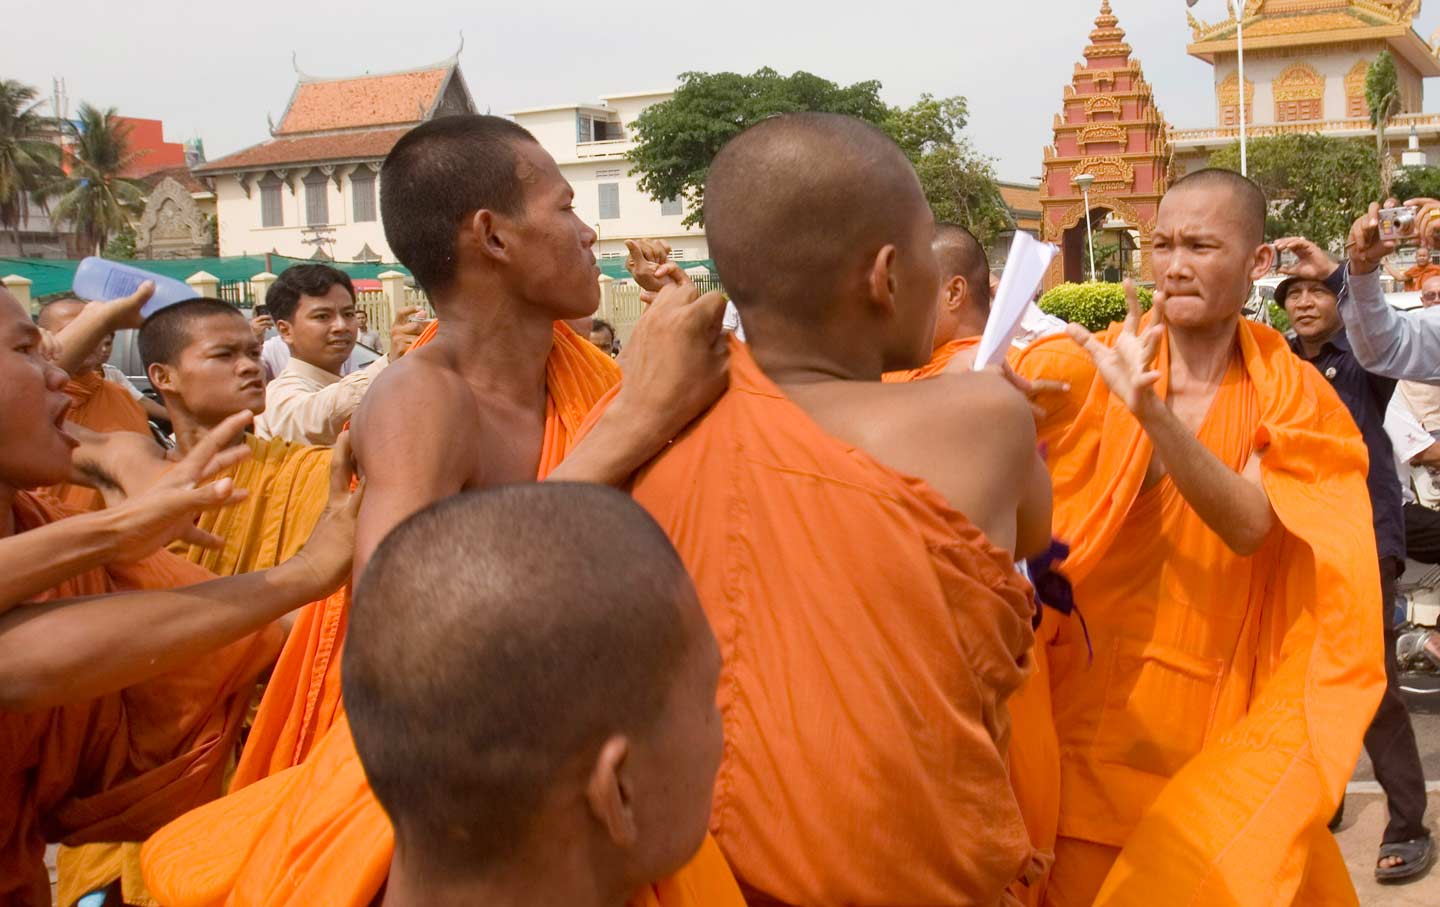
<point>1418,854</point>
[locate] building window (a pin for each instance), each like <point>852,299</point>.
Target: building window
<point>1297,111</point>
<point>584,128</point>
<point>317,202</point>
<point>362,194</point>
<point>1355,104</point>
<point>610,174</point>
<point>609,201</point>
<point>272,207</point>
<point>612,255</point>
<point>1299,94</point>
<point>672,207</point>
<point>1228,95</point>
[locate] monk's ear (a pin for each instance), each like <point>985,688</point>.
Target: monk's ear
<point>882,280</point>
<point>957,292</point>
<point>610,792</point>
<point>1263,262</point>
<point>162,377</point>
<point>486,235</point>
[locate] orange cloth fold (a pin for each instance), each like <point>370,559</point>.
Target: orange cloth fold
<point>938,361</point>
<point>119,766</point>
<point>289,486</point>
<point>1210,737</point>
<point>102,406</point>
<point>871,636</point>
<point>301,827</point>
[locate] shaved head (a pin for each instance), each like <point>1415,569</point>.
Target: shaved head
<point>498,639</point>
<point>798,205</point>
<point>56,314</point>
<point>960,253</point>
<point>1247,200</point>
<point>167,333</point>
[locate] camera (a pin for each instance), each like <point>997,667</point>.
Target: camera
<point>1397,223</point>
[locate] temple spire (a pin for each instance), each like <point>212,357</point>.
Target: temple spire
<point>1108,38</point>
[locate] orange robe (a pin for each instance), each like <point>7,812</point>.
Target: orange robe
<point>1210,736</point>
<point>98,405</point>
<point>289,486</point>
<point>302,827</point>
<point>938,361</point>
<point>870,635</point>
<point>119,766</point>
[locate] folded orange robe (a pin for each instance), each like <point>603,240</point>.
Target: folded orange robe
<point>98,405</point>
<point>303,827</point>
<point>119,766</point>
<point>871,636</point>
<point>1209,738</point>
<point>938,361</point>
<point>289,486</point>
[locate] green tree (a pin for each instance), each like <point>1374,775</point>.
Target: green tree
<point>1317,185</point>
<point>94,197</point>
<point>1382,94</point>
<point>1417,182</point>
<point>122,244</point>
<point>677,139</point>
<point>28,162</point>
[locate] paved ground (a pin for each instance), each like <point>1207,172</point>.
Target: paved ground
<point>1365,817</point>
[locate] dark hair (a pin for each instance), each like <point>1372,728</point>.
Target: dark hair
<point>597,324</point>
<point>959,252</point>
<point>1249,197</point>
<point>496,639</point>
<point>439,173</point>
<point>166,334</point>
<point>283,297</point>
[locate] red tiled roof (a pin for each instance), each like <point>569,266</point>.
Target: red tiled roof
<point>310,149</point>
<point>381,100</point>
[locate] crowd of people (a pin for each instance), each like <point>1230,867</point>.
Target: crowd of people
<point>818,616</point>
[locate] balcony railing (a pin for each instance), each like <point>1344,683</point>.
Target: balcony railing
<point>1398,128</point>
<point>607,148</point>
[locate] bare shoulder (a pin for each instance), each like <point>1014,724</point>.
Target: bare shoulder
<point>981,410</point>
<point>410,406</point>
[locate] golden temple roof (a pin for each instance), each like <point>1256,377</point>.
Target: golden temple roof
<point>1308,23</point>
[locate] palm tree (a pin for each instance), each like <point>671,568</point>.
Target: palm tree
<point>28,162</point>
<point>94,197</point>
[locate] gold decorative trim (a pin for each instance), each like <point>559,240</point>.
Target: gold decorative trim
<point>1110,171</point>
<point>1299,82</point>
<point>1102,103</point>
<point>1102,132</point>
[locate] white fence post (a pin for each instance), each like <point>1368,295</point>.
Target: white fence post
<point>204,284</point>
<point>19,287</point>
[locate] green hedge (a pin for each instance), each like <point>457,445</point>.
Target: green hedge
<point>1093,305</point>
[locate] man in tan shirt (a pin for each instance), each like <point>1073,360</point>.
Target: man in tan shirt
<point>314,310</point>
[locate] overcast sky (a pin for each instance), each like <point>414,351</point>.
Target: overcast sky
<point>216,69</point>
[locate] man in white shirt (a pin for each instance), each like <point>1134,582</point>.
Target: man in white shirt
<point>1416,453</point>
<point>309,402</point>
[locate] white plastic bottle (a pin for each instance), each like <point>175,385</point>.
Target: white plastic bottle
<point>100,278</point>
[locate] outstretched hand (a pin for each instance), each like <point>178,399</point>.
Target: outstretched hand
<point>649,263</point>
<point>1128,366</point>
<point>150,520</point>
<point>1311,261</point>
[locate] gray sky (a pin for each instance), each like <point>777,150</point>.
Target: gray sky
<point>215,69</point>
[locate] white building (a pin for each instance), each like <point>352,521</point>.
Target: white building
<point>592,142</point>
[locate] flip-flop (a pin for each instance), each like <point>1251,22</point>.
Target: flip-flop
<point>1418,854</point>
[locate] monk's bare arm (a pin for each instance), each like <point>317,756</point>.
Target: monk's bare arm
<point>40,559</point>
<point>416,443</point>
<point>1232,504</point>
<point>96,322</point>
<point>77,649</point>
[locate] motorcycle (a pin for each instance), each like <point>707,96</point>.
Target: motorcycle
<point>1417,647</point>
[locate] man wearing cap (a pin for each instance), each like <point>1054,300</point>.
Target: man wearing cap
<point>1313,305</point>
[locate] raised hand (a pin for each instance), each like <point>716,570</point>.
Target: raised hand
<point>147,521</point>
<point>330,550</point>
<point>260,325</point>
<point>1311,261</point>
<point>645,258</point>
<point>1128,366</point>
<point>1365,247</point>
<point>404,331</point>
<point>677,361</point>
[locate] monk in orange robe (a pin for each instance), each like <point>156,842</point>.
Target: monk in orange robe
<point>853,541</point>
<point>204,359</point>
<point>96,403</point>
<point>963,304</point>
<point>1213,489</point>
<point>117,711</point>
<point>495,394</point>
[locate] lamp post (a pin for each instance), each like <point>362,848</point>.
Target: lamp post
<point>1240,51</point>
<point>1084,181</point>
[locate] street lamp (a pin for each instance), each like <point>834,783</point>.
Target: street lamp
<point>1084,181</point>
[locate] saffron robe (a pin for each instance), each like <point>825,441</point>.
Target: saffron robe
<point>303,828</point>
<point>939,360</point>
<point>871,635</point>
<point>102,406</point>
<point>119,766</point>
<point>289,487</point>
<point>1210,736</point>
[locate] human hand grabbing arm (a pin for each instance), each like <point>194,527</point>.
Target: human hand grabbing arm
<point>675,365</point>
<point>404,331</point>
<point>97,321</point>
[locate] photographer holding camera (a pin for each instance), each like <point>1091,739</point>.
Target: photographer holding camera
<point>1403,345</point>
